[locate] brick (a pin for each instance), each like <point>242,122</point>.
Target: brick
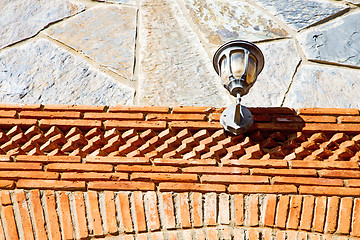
<point>192,109</point>
<point>196,206</point>
<point>251,188</point>
<point>152,213</point>
<point>331,214</point>
<point>307,181</point>
<point>6,184</point>
<point>195,125</point>
<point>324,164</point>
<point>256,163</point>
<point>239,209</point>
<point>282,211</point>
<point>272,110</point>
<point>81,108</point>
<point>294,212</point>
<point>38,215</point>
<point>50,184</point>
<point>138,125</point>
<point>175,117</point>
<point>339,173</point>
<point>353,183</point>
<point>125,212</point>
<point>269,219</point>
<point>328,111</point>
<point>276,126</point>
<point>48,114</point>
<point>349,119</point>
<point>20,166</point>
<point>9,122</point>
<point>253,210</point>
<point>13,175</point>
<point>355,228</point>
<point>9,222</point>
<point>65,216</point>
<point>118,160</point>
<point>51,217</point>
<point>92,176</point>
<point>68,123</point>
<point>152,109</point>
<point>345,212</point>
<point>184,162</point>
<point>163,177</point>
<point>318,119</point>
<point>114,116</point>
<point>139,211</point>
<point>24,215</point>
<point>184,210</point>
<point>210,209</point>
<point>319,214</point>
<point>215,170</point>
<point>284,172</point>
<point>7,114</point>
<point>184,187</point>
<point>330,127</point>
<point>5,198</point>
<point>329,191</point>
<point>79,167</point>
<point>139,168</point>
<point>121,185</point>
<point>211,233</point>
<point>110,212</point>
<point>234,179</point>
<point>2,233</point>
<point>280,235</point>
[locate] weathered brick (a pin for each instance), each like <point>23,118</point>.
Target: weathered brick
<point>24,215</point>
<point>215,170</point>
<point>38,215</point>
<point>234,179</point>
<point>51,216</point>
<point>253,210</point>
<point>7,114</point>
<point>195,125</point>
<point>329,191</point>
<point>152,213</point>
<point>324,164</point>
<point>318,119</point>
<point>110,212</point>
<point>349,119</point>
<point>355,228</point>
<point>181,187</point>
<point>9,122</point>
<point>163,177</point>
<point>65,216</point>
<point>345,212</point>
<point>10,223</point>
<point>282,211</point>
<point>269,218</point>
<point>125,212</point>
<point>68,123</point>
<point>20,166</point>
<point>328,111</point>
<point>339,173</point>
<point>50,184</point>
<point>197,206</point>
<point>79,167</point>
<point>331,214</point>
<point>239,216</point>
<point>7,184</point>
<point>210,209</point>
<point>140,168</point>
<point>250,188</point>
<point>93,176</point>
<point>81,108</point>
<point>330,127</point>
<point>175,117</point>
<point>184,162</point>
<point>307,181</point>
<point>114,116</point>
<point>13,175</point>
<point>276,126</point>
<point>152,109</point>
<point>294,212</point>
<point>121,185</point>
<point>138,125</point>
<point>192,109</point>
<point>256,163</point>
<point>319,214</point>
<point>139,211</point>
<point>184,210</point>
<point>284,172</point>
<point>95,217</point>
<point>118,160</point>
<point>49,114</point>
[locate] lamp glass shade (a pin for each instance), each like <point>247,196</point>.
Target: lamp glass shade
<point>224,70</point>
<point>251,71</point>
<point>237,63</point>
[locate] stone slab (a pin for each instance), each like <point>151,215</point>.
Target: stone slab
<point>21,19</point>
<point>174,67</point>
<point>105,34</point>
<point>41,72</point>
<point>130,2</point>
<point>224,20</point>
<point>323,86</point>
<point>301,14</point>
<point>281,60</point>
<point>337,41</point>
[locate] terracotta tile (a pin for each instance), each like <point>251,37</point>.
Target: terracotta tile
<point>125,212</point>
<point>110,212</point>
<point>65,215</point>
<point>95,222</point>
<point>167,209</point>
<point>139,211</point>
<point>52,220</point>
<point>345,212</point>
<point>332,214</point>
<point>38,216</point>
<point>196,206</point>
<point>294,212</point>
<point>270,210</point>
<point>152,213</point>
<point>319,214</point>
<point>184,210</point>
<point>282,211</point>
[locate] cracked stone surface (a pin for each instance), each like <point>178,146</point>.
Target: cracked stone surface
<point>41,72</point>
<point>301,13</point>
<point>224,20</point>
<point>21,19</point>
<point>104,34</point>
<point>317,86</point>
<point>281,60</point>
<point>337,41</point>
<point>174,67</point>
<point>131,2</point>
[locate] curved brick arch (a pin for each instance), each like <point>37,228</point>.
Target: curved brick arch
<point>168,215</point>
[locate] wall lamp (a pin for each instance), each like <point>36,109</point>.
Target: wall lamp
<point>238,63</point>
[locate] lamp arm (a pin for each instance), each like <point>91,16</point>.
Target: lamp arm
<point>237,116</point>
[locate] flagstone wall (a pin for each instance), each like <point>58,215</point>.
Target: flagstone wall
<point>159,52</point>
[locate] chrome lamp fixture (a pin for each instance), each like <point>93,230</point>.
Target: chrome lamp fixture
<point>238,63</point>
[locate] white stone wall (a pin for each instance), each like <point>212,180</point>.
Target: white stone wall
<point>159,52</point>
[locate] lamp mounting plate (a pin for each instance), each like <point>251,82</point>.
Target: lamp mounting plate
<point>227,120</point>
